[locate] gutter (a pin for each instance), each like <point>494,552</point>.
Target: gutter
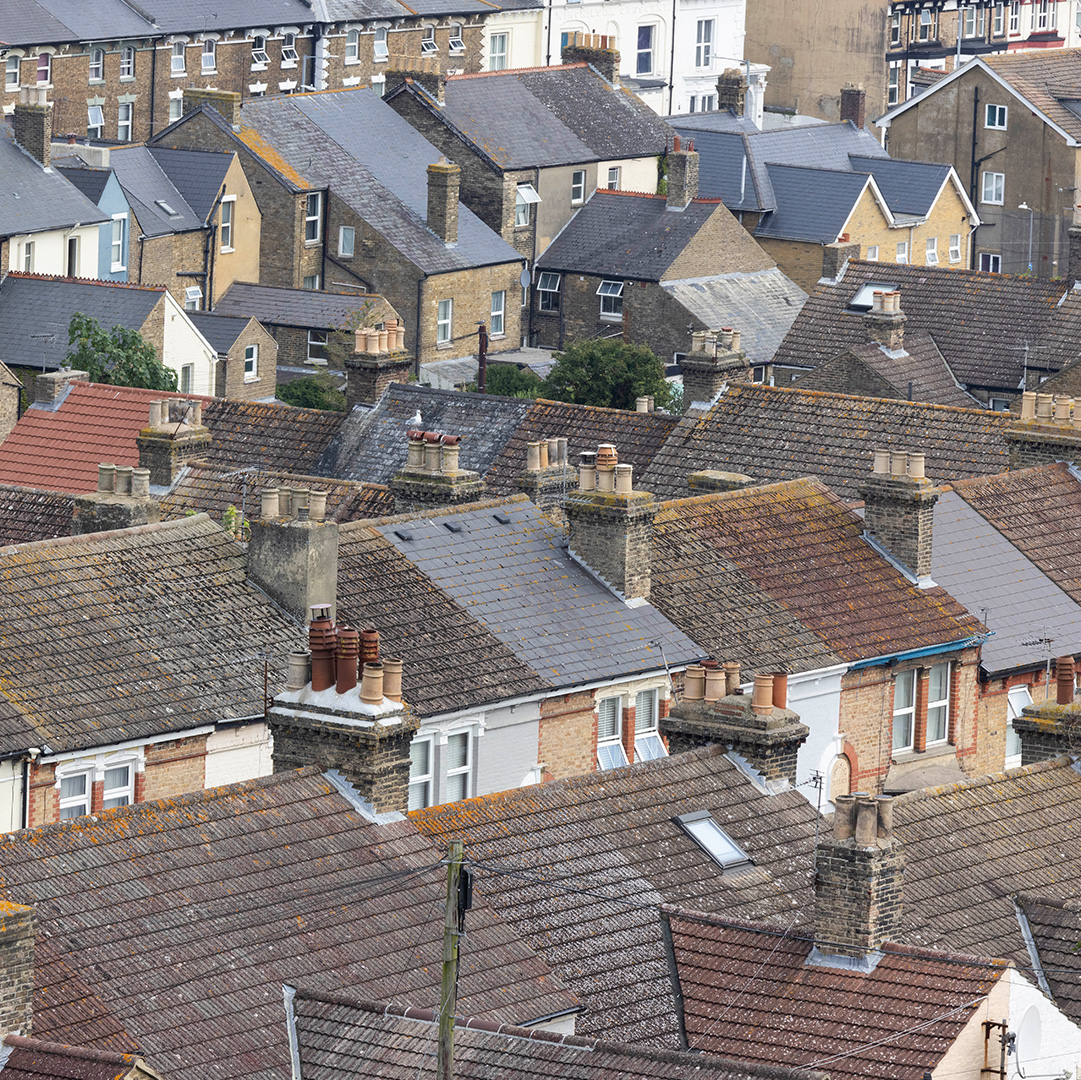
<point>915,654</point>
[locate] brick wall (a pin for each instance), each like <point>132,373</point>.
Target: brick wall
<point>233,384</point>
<point>164,259</point>
<point>613,535</point>
<point>17,927</point>
<point>567,743</point>
<point>10,392</point>
<point>799,260</point>
<point>846,374</point>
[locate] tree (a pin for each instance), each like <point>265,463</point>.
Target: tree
<point>509,380</point>
<point>313,392</point>
<point>607,372</point>
<point>119,356</point>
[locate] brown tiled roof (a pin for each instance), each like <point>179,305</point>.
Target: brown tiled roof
<point>27,514</point>
<point>213,489</point>
<point>115,636</point>
<point>636,436</point>
<point>749,993</point>
<point>804,549</point>
<point>187,915</point>
<point>450,659</point>
<point>1037,510</point>
<point>1055,926</point>
<point>549,857</point>
<point>33,1059</point>
<point>343,1039</point>
<point>772,433</point>
<point>915,373</point>
<point>971,846</point>
<point>1043,76</point>
<point>989,327</point>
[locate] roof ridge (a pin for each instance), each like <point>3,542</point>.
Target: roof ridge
<point>516,71</point>
<point>88,1053</point>
<point>972,783</point>
<point>439,511</point>
<point>747,388</point>
<point>108,534</point>
<point>289,288</point>
<point>704,497</point>
<point>64,279</point>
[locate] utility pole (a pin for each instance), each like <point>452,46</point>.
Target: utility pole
<point>459,900</point>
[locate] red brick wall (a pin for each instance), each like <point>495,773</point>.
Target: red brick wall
<point>568,735</point>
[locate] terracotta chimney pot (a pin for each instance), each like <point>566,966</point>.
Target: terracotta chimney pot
<point>371,685</point>
<point>1062,409</point>
<point>898,462</point>
<point>392,678</point>
<point>542,452</point>
<point>123,479</point>
<point>714,687</point>
<point>1064,680</point>
<point>1028,405</point>
<point>317,505</point>
<point>140,483</point>
<point>844,816</point>
<point>106,477</point>
<point>642,404</point>
<point>348,652</point>
<point>866,821</point>
<point>624,479</point>
<point>268,503</point>
<point>882,462</point>
<point>762,699</point>
<point>1044,404</point>
<point>300,670</point>
<point>606,479</point>
<point>917,465</point>
<point>694,683</point>
<point>780,690</point>
<point>731,676</point>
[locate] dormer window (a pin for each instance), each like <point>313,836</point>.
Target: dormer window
<point>712,839</point>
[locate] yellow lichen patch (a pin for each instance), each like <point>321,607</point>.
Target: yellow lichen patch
<point>258,145</point>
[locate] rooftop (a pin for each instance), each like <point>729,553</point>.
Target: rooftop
<point>27,515</point>
<point>304,308</point>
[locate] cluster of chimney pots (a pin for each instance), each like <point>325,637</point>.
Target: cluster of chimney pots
<point>600,470</point>
<point>712,680</point>
<point>340,655</point>
<point>123,480</point>
<point>305,504</point>
<point>703,341</point>
<point>432,451</point>
<point>886,302</point>
<point>390,339</point>
<point>898,463</point>
<point>1052,407</point>
<point>545,453</point>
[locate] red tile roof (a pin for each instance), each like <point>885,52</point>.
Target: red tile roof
<point>33,1059</point>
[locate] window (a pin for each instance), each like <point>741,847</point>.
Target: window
<point>443,320</point>
<point>999,404</point>
<point>895,28</point>
<point>926,31</point>
<point>119,786</point>
<point>456,42</point>
<point>712,839</point>
<point>648,745</point>
<point>127,62</point>
<point>989,263</point>
<point>955,248</point>
<point>352,46</point>
<point>346,240</point>
<point>904,709</point>
<point>73,256</point>
<point>1015,17</point>
<point>931,252</point>
<point>74,795</point>
<point>95,121</point>
<point>379,85</point>
<point>499,303</point>
<point>192,297</point>
<point>524,197</point>
<point>578,186</point>
<point>123,121</point>
<point>45,68</point>
<point>210,55</point>
<point>1044,15</point>
<point>938,704</point>
<point>902,252</point>
<point>611,294</point>
<point>28,256</point>
<point>251,363</point>
<point>317,346</point>
<point>548,292</point>
<point>118,246</point>
<point>872,253</point>
<point>1016,700</point>
<point>228,208</point>
<point>992,187</point>
<point>177,60</point>
<point>313,217</point>
<point>894,85</point>
<point>973,22</point>
<point>458,766</point>
<point>176,108</point>
<point>703,43</point>
<point>311,281</point>
<point>610,752</point>
<point>995,117</point>
<point>865,297</point>
<point>420,774</point>
<point>613,178</point>
<point>497,52</point>
<point>998,20</point>
<point>11,73</point>
<point>708,102</point>
<point>289,50</point>
<point>97,65</point>
<point>427,42</point>
<point>381,49</point>
<point>644,62</point>
<point>258,50</point>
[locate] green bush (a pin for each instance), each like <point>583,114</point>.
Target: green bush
<point>607,372</point>
<point>313,392</point>
<point>508,380</point>
<point>119,356</point>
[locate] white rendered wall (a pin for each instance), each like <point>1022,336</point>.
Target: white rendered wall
<point>50,254</point>
<point>183,344</point>
<point>238,753</point>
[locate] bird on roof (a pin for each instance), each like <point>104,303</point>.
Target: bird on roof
<point>416,421</point>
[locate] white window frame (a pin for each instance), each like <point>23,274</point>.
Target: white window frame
<point>524,198</point>
<point>125,121</point>
<point>903,739</point>
<point>193,296</point>
<point>313,217</point>
<point>421,782</point>
<point>127,62</point>
<point>118,795</point>
<point>178,53</point>
<point>228,223</point>
<point>289,50</point>
<point>1044,15</point>
<point>992,188</point>
<point>1015,17</point>
<point>547,287</point>
<point>251,363</point>
<point>97,66</point>
<point>497,325</point>
<point>209,53</point>
<point>893,87</point>
<point>444,322</point>
<point>12,72</point>
<point>703,46</point>
<point>615,176</point>
<point>955,247</point>
<point>895,28</point>
<point>927,26</point>
<point>940,706</point>
<point>176,107</point>
<point>464,772</point>
<point>45,63</point>
<point>498,48</point>
<point>352,47</point>
<point>995,116</point>
<point>712,839</point>
<point>311,282</point>
<point>456,44</point>
<point>380,44</point>
<point>118,245</point>
<point>95,121</point>
<point>648,745</point>
<point>28,257</point>
<point>930,254</point>
<point>610,752</point>
<point>902,252</point>
<point>998,20</point>
<point>428,45</point>
<point>578,187</point>
<point>1017,698</point>
<point>379,85</point>
<point>318,339</point>
<point>974,21</point>
<point>872,253</point>
<point>347,239</point>
<point>260,58</point>
<point>644,54</point>
<point>993,260</point>
<point>187,378</point>
<point>80,803</point>
<point>611,294</point>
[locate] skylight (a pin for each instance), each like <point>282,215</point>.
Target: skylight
<point>712,839</point>
<point>864,300</point>
<point>167,208</point>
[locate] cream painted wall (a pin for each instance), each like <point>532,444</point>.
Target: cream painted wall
<point>183,344</point>
<point>1049,1047</point>
<point>12,795</point>
<point>50,254</point>
<point>637,174</point>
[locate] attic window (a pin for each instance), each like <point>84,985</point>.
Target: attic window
<point>167,208</point>
<point>712,839</point>
<point>864,300</point>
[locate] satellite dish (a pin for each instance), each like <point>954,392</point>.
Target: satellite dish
<point>1028,1037</point>
<point>524,279</point>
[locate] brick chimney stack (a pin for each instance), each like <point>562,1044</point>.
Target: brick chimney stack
<point>835,259</point>
<point>431,477</point>
<point>899,503</point>
<point>611,525</point>
<point>732,91</point>
<point>17,964</point>
<point>444,182</point>
<point>225,102</point>
<point>854,105</point>
<point>379,360</point>
<point>174,436</point>
<point>122,501</point>
<point>425,71</point>
<point>596,50</point>
<point>32,123</point>
<point>1048,430</point>
<point>859,876</point>
<point>547,471</point>
<point>682,175</point>
<point>1049,729</point>
<point>885,322</point>
<point>715,361</point>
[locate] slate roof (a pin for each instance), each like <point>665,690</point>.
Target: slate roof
<point>375,162</point>
<point>32,1059</point>
<point>718,120</point>
<point>340,1038</point>
<point>126,635</point>
<point>304,308</point>
<point>812,204</point>
<point>184,917</point>
<point>774,433</point>
<point>896,1022</point>
<point>91,182</point>
<point>539,117</point>
<point>221,331</point>
<point>762,303</point>
<point>187,181</point>
<point>27,515</point>
<point>984,324</point>
<point>627,235</point>
<point>1055,926</point>
<point>845,592</point>
<point>915,372</point>
<point>579,866</point>
<point>212,490</point>
<point>36,310</point>
<point>40,22</point>
<point>33,200</point>
<point>516,578</point>
<point>909,187</point>
<point>176,16</point>
<point>637,437</point>
<point>371,444</point>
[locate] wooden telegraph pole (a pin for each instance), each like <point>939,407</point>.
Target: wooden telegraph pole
<point>459,899</point>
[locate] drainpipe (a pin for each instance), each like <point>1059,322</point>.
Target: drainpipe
<point>672,61</point>
<point>208,252</point>
<point>153,81</point>
<point>548,42</point>
<point>416,330</point>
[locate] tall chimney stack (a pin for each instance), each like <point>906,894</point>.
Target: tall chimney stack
<point>444,181</point>
<point>17,965</point>
<point>899,504</point>
<point>1049,729</point>
<point>715,361</point>
<point>32,123</point>
<point>174,435</point>
<point>854,105</point>
<point>682,175</point>
<point>732,91</point>
<point>596,50</point>
<point>885,322</point>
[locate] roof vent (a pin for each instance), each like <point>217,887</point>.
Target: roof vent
<point>502,519</point>
<point>403,535</point>
<point>452,528</point>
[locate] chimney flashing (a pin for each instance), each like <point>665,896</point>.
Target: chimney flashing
<point>858,965</point>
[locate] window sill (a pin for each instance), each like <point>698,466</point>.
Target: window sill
<point>226,250</point>
<point>208,71</point>
<point>116,268</point>
<point>252,378</point>
<point>311,243</point>
<point>351,63</point>
<point>496,337</point>
<point>259,67</point>
<point>95,82</point>
<point>379,59</point>
<point>127,78</point>
<point>935,750</point>
<point>612,318</point>
<point>346,258</point>
<point>289,65</point>
<point>177,74</point>
<point>443,344</point>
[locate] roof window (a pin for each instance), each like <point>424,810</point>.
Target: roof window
<point>712,839</point>
<point>864,300</point>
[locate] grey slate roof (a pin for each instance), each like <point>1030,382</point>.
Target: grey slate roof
<point>91,182</point>
<point>909,187</point>
<point>196,174</point>
<point>42,22</point>
<point>150,174</point>
<point>518,580</point>
<point>763,304</point>
<point>220,330</point>
<point>721,120</point>
<point>371,444</point>
<point>177,16</point>
<point>812,204</point>
<point>304,308</point>
<point>35,312</point>
<point>376,163</point>
<point>33,200</point>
